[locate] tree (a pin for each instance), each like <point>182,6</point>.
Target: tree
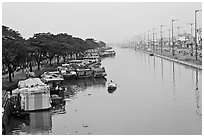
<point>12,45</point>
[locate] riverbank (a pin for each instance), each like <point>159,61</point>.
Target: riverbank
<point>178,58</point>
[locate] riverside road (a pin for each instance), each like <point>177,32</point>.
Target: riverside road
<point>154,96</point>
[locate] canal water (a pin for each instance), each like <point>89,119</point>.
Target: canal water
<point>154,96</point>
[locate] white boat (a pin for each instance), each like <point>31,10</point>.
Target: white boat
<point>34,95</point>
<point>67,71</point>
<point>51,76</point>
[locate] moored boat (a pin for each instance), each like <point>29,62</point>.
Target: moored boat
<point>56,88</point>
<point>84,73</point>
<point>99,72</point>
<point>32,94</point>
<point>108,53</point>
<point>67,71</point>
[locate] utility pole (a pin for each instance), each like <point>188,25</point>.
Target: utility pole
<point>169,37</point>
<point>144,40</point>
<point>191,28</point>
<point>148,38</point>
<point>161,37</point>
<point>172,22</point>
<point>191,37</point>
<point>178,30</point>
<point>153,39</point>
<point>196,46</point>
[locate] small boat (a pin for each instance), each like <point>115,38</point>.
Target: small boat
<point>56,99</point>
<point>112,86</point>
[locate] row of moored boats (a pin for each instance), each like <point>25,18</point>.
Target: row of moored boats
<point>47,91</point>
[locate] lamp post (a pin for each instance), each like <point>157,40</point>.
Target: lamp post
<point>144,40</point>
<point>196,34</point>
<point>148,38</point>
<point>169,37</point>
<point>161,36</point>
<point>178,30</point>
<point>172,22</point>
<point>191,37</point>
<point>153,39</point>
<point>191,28</point>
<point>178,35</point>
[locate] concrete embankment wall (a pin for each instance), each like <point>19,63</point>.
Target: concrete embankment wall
<point>178,61</point>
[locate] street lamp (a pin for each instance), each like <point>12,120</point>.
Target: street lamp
<point>191,37</point>
<point>172,21</point>
<point>148,38</point>
<point>178,30</point>
<point>161,36</point>
<point>169,37</point>
<point>196,33</point>
<point>153,39</point>
<point>191,28</point>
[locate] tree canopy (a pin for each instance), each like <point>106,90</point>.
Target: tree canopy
<point>17,51</point>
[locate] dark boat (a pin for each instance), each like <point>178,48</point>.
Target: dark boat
<point>56,99</point>
<point>111,87</point>
<point>20,114</point>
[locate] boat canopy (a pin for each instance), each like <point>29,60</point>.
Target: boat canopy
<point>30,82</point>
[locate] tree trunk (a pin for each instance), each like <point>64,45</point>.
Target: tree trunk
<point>50,61</point>
<point>10,78</point>
<point>13,74</point>
<point>38,65</point>
<point>30,65</point>
<point>58,59</point>
<point>64,58</point>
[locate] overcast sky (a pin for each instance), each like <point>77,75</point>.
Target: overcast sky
<point>110,22</point>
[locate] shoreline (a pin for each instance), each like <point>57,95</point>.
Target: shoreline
<point>176,60</point>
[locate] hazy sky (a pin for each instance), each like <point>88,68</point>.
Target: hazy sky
<point>110,22</point>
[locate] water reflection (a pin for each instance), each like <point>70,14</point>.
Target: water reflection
<point>39,123</point>
<point>197,97</point>
<point>149,63</point>
<point>162,69</point>
<point>80,85</point>
<point>154,68</point>
<point>174,83</point>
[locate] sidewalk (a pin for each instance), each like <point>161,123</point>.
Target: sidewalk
<point>179,58</point>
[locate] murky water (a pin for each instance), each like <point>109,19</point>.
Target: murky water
<point>154,96</point>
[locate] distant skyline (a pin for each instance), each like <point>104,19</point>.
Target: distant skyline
<point>107,21</point>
